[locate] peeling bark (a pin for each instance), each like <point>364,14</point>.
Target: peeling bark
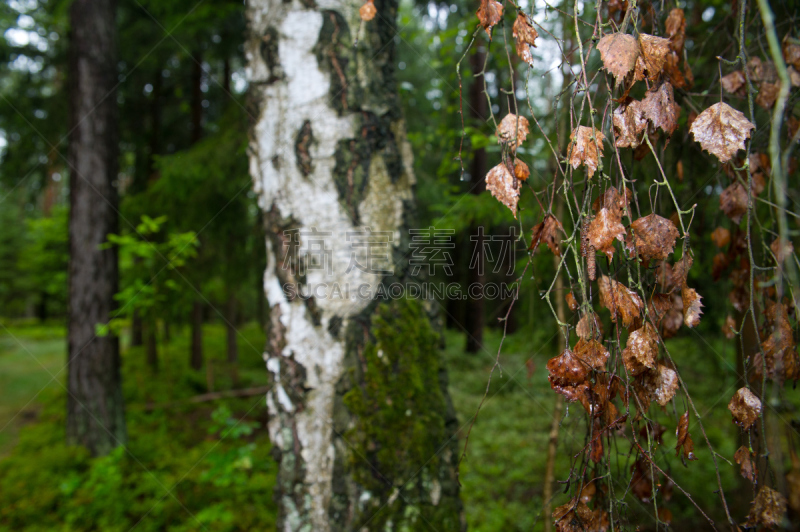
<point>328,153</point>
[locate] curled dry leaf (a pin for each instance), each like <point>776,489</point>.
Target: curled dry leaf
<point>572,303</point>
<point>680,271</point>
<point>653,54</point>
<point>619,52</point>
<point>524,37</point>
<point>641,351</point>
<point>767,94</point>
<point>745,407</point>
<point>691,306</point>
<point>685,442</point>
<point>367,11</point>
<point>768,510</point>
<point>733,81</point>
<point>575,516</point>
<point>629,123</point>
<point>791,53</point>
<point>676,29</point>
<point>589,327</point>
<point>744,458</point>
<point>721,130</point>
<point>733,202</point>
<point>507,128</point>
<point>584,149</point>
<point>620,300</point>
<point>568,375</point>
<point>660,109</point>
<point>667,310</point>
<point>489,14</point>
<point>613,201</point>
<point>547,232</point>
<point>603,229</point>
<point>654,237</point>
<point>721,237</point>
<point>661,384</point>
<point>503,186</point>
<point>521,170</point>
<point>779,347</point>
<point>591,353</point>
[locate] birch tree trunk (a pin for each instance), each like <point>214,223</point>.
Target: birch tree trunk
<point>360,419</point>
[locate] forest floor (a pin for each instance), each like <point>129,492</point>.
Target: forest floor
<point>190,466</point>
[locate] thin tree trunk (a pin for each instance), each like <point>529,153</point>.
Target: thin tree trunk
<point>233,346</point>
<point>95,410</point>
<point>137,334</point>
<point>329,158</point>
<point>197,97</point>
<point>196,360</point>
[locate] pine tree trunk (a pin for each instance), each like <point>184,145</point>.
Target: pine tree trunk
<point>95,410</point>
<point>329,156</point>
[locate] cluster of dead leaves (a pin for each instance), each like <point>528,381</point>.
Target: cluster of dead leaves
<point>765,76</point>
<point>503,181</point>
<point>576,516</point>
<point>779,348</point>
<point>633,118</point>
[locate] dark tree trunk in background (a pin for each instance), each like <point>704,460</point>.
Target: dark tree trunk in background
<point>197,97</point>
<point>196,360</point>
<point>226,76</point>
<point>475,311</point>
<point>233,347</point>
<point>151,346</point>
<point>137,334</point>
<point>95,410</point>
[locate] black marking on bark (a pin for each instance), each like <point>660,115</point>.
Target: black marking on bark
<point>269,53</point>
<point>335,326</point>
<point>302,144</point>
<point>334,53</point>
<point>276,162</point>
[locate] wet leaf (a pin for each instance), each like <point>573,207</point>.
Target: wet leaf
<point>524,37</point>
<point>589,327</point>
<point>661,383</point>
<point>568,375</point>
<point>619,52</point>
<point>745,407</point>
<point>744,458</point>
<point>603,230</point>
<point>507,128</point>
<point>620,300</point>
<point>521,170</point>
<point>685,442</point>
<point>721,237</point>
<point>676,30</point>
<point>653,54</point>
<point>779,347</point>
<point>660,109</point>
<point>367,11</point>
<point>733,81</point>
<point>691,306</point>
<point>572,303</point>
<point>584,150</point>
<point>667,310</point>
<point>761,70</point>
<point>733,202</point>
<point>768,510</point>
<point>503,186</point>
<point>612,200</point>
<point>547,232</point>
<point>721,130</point>
<point>680,271</point>
<point>592,353</point>
<point>489,14</point>
<point>629,124</point>
<point>654,237</point>
<point>641,351</point>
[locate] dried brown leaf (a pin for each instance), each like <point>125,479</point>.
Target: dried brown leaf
<point>629,123</point>
<point>661,384</point>
<point>568,375</point>
<point>603,229</point>
<point>791,53</point>
<point>744,458</point>
<point>503,186</point>
<point>779,348</point>
<point>685,442</point>
<point>521,170</point>
<point>489,14</point>
<point>721,130</point>
<point>767,94</point>
<point>513,130</point>
<point>745,407</point>
<point>589,327</point>
<point>367,11</point>
<point>733,202</point>
<point>691,306</point>
<point>613,201</point>
<point>761,70</point>
<point>591,353</point>
<point>667,310</point>
<point>660,108</point>
<point>783,249</point>
<point>721,237</point>
<point>641,350</point>
<point>584,150</point>
<point>547,232</point>
<point>768,510</point>
<point>619,52</point>
<point>730,328</point>
<point>653,55</point>
<point>572,303</point>
<point>733,81</point>
<point>654,237</point>
<point>620,300</point>
<point>524,37</point>
<point>575,516</point>
<point>676,29</point>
